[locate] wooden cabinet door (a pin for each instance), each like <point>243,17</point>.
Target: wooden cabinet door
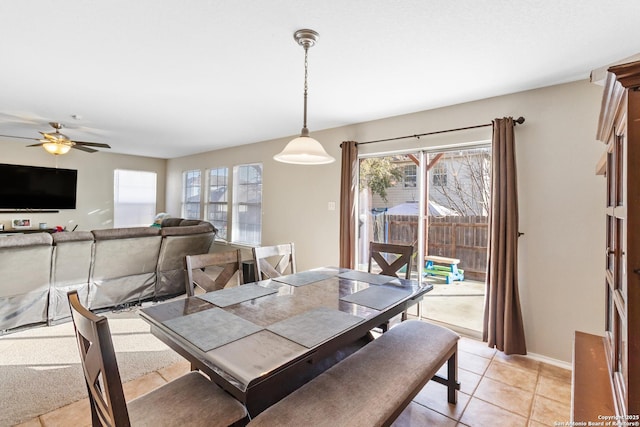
<point>622,323</point>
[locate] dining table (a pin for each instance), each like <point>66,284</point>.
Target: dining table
<point>261,341</point>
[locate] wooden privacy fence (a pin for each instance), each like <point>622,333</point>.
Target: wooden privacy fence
<point>462,237</point>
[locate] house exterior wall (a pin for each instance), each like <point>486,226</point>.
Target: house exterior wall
<point>451,183</point>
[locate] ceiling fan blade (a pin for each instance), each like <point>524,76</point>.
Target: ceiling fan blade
<point>52,137</point>
<point>83,148</point>
<point>92,144</point>
<point>35,145</point>
<point>20,137</point>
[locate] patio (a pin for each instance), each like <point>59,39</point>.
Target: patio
<point>459,306</point>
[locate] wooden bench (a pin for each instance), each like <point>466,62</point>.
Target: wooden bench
<point>375,384</point>
<point>449,271</point>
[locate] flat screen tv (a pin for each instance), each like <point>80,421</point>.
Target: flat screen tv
<point>34,187</point>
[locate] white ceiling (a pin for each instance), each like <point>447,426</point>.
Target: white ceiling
<point>167,78</point>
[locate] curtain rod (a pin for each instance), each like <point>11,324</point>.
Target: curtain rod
<point>518,121</point>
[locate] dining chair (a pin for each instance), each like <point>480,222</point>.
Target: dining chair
<point>273,261</point>
<point>391,259</point>
<point>189,400</point>
<point>401,256</point>
<point>226,264</point>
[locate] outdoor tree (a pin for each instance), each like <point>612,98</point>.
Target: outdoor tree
<point>378,174</point>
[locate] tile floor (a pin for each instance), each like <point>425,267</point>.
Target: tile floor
<point>496,390</point>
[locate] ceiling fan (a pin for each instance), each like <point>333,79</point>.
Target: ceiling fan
<point>57,143</point>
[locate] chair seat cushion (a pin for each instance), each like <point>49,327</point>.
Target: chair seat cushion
<point>191,400</point>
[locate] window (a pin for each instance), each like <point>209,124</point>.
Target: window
<point>439,174</point>
<point>134,198</point>
<point>247,204</point>
<point>217,200</point>
<point>409,175</point>
<point>191,194</point>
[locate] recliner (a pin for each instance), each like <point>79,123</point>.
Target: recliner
<point>70,269</point>
<point>25,266</point>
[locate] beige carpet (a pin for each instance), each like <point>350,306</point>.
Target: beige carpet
<point>40,367</point>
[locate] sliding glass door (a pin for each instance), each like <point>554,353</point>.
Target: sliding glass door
<point>438,202</point>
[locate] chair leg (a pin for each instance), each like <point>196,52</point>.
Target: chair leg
<point>452,378</point>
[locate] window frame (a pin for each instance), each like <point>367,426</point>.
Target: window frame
<point>439,175</point>
<point>223,229</point>
<point>186,177</point>
<point>412,182</point>
<point>236,206</point>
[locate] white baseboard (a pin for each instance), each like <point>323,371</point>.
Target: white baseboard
<point>550,361</point>
<point>476,335</point>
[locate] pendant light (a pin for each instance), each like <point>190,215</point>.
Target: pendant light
<point>304,150</point>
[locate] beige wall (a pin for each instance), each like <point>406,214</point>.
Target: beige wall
<point>561,199</point>
<point>295,198</point>
<point>94,207</point>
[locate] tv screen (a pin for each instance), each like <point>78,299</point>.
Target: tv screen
<point>33,187</point>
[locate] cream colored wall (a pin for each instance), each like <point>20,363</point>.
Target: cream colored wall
<point>295,198</point>
<point>94,207</point>
<point>561,201</point>
<point>561,254</point>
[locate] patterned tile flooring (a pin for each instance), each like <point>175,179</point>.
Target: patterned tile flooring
<point>496,390</point>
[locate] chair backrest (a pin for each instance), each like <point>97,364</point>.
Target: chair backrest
<point>108,405</point>
<point>281,256</point>
<point>404,254</point>
<point>195,267</point>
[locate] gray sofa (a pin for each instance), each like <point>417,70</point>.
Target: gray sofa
<point>109,268</point>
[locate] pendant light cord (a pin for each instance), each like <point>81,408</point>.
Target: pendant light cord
<point>305,130</point>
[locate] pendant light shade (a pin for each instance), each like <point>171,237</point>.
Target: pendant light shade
<point>304,150</point>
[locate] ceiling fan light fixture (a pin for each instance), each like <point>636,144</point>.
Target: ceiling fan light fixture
<point>304,150</point>
<point>56,148</point>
